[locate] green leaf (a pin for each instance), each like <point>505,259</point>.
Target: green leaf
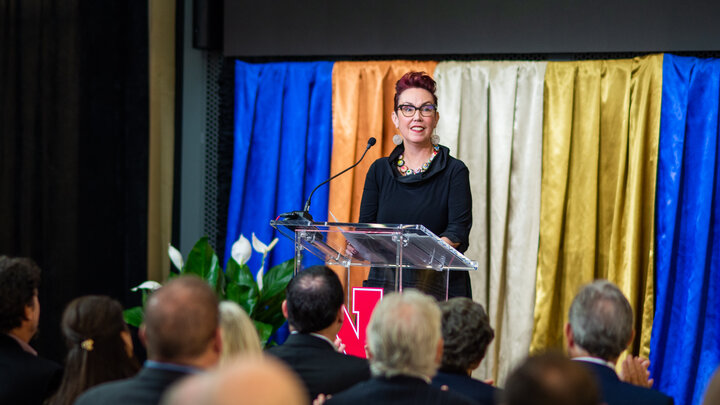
<point>201,261</point>
<point>269,310</point>
<point>134,316</point>
<point>269,306</point>
<point>243,295</point>
<point>277,278</point>
<point>216,278</point>
<point>264,332</point>
<point>241,286</point>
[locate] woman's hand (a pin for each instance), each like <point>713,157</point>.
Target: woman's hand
<point>449,242</point>
<point>351,252</point>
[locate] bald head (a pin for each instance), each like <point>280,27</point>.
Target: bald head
<point>192,390</point>
<point>181,320</point>
<point>258,381</point>
<point>253,380</point>
<point>712,393</point>
<point>551,379</point>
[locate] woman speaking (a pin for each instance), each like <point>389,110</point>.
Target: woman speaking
<point>419,183</point>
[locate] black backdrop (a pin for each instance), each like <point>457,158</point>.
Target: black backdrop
<point>429,27</point>
<point>74,148</point>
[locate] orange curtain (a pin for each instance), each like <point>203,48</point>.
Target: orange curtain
<point>362,103</point>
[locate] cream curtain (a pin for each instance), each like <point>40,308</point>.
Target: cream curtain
<point>491,118</point>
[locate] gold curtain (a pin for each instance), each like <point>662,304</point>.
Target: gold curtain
<point>162,135</point>
<point>362,99</point>
<point>600,144</point>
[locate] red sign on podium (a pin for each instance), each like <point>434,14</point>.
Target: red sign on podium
<point>352,333</point>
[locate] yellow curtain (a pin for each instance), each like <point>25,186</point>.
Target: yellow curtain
<point>600,142</point>
<point>362,103</point>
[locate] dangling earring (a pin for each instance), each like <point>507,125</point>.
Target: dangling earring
<point>397,139</point>
<point>435,139</point>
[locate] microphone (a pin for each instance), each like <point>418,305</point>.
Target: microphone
<point>305,213</point>
<point>370,144</point>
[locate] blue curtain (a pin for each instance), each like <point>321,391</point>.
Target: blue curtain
<point>685,345</point>
<point>283,142</point>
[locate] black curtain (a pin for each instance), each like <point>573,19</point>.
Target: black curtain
<point>226,141</point>
<point>74,148</point>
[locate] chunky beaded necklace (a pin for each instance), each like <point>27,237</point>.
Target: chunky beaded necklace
<point>406,171</point>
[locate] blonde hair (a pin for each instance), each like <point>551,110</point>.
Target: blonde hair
<point>239,335</point>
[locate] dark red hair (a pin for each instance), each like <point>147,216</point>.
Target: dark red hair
<point>414,80</point>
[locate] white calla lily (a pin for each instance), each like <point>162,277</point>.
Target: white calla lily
<point>264,249</point>
<point>175,257</point>
<point>259,278</point>
<point>241,250</point>
<point>261,247</point>
<point>148,285</point>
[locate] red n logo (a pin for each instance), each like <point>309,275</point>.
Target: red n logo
<point>353,335</point>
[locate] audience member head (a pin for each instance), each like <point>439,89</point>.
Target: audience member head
<point>712,392</point>
<point>412,80</point>
<point>254,380</point>
<point>314,299</point>
<point>551,379</point>
<point>239,335</point>
<point>182,323</point>
<point>600,322</point>
<point>466,334</point>
<point>99,346</point>
<point>19,305</point>
<point>195,389</point>
<point>404,336</point>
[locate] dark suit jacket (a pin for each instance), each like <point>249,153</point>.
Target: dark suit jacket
<point>616,392</point>
<point>25,378</point>
<point>397,390</point>
<point>320,367</point>
<point>478,391</point>
<point>145,388</point>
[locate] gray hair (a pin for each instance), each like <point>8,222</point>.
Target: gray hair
<point>466,333</point>
<point>601,320</point>
<point>403,335</point>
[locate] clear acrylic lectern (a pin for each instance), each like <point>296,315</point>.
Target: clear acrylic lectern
<point>398,247</point>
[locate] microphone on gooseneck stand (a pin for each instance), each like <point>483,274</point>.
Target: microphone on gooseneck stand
<point>304,215</point>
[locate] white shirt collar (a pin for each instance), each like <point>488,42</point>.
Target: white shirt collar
<point>25,346</point>
<point>317,335</point>
<point>596,360</point>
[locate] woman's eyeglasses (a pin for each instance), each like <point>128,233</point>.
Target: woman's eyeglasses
<point>426,110</point>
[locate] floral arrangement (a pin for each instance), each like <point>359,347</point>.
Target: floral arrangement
<point>260,297</point>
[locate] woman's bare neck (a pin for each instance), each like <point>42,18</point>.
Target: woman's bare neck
<point>416,155</point>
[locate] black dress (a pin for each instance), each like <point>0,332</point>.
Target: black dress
<point>438,199</point>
